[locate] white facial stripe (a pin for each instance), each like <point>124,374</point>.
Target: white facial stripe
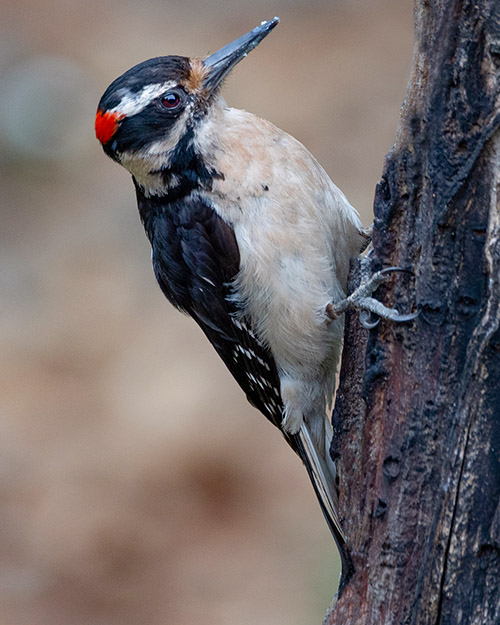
<point>133,103</point>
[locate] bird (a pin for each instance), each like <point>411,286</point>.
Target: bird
<point>249,237</point>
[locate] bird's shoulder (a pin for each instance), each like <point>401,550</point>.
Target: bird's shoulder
<point>194,250</point>
<point>266,169</point>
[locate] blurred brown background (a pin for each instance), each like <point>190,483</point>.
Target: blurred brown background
<point>137,486</point>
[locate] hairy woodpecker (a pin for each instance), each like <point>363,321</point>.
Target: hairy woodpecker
<point>249,236</point>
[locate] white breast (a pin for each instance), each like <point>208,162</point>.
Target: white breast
<point>296,232</point>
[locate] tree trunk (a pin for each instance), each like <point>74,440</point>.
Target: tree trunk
<point>417,415</point>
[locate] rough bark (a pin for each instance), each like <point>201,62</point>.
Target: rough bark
<point>417,415</point>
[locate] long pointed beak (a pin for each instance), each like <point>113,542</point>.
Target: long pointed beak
<point>220,63</point>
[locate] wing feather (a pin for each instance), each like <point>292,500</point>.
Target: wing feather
<point>196,259</point>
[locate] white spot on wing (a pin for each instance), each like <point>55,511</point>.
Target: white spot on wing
<point>208,280</point>
<point>241,325</point>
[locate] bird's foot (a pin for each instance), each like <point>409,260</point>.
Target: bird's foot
<point>361,299</point>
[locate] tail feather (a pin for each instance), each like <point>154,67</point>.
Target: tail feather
<point>323,481</point>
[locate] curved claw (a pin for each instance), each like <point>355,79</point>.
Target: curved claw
<point>364,319</point>
<point>408,317</point>
<point>370,320</point>
<point>392,269</point>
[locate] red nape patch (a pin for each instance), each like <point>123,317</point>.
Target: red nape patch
<point>106,125</point>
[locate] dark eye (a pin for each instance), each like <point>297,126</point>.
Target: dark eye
<point>171,100</point>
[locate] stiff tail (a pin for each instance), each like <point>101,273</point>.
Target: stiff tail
<point>324,485</point>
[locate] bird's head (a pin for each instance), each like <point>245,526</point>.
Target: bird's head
<point>146,119</point>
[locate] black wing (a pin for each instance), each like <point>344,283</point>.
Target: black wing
<point>195,260</point>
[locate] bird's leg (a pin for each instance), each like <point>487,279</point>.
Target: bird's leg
<point>366,233</point>
<point>361,299</point>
